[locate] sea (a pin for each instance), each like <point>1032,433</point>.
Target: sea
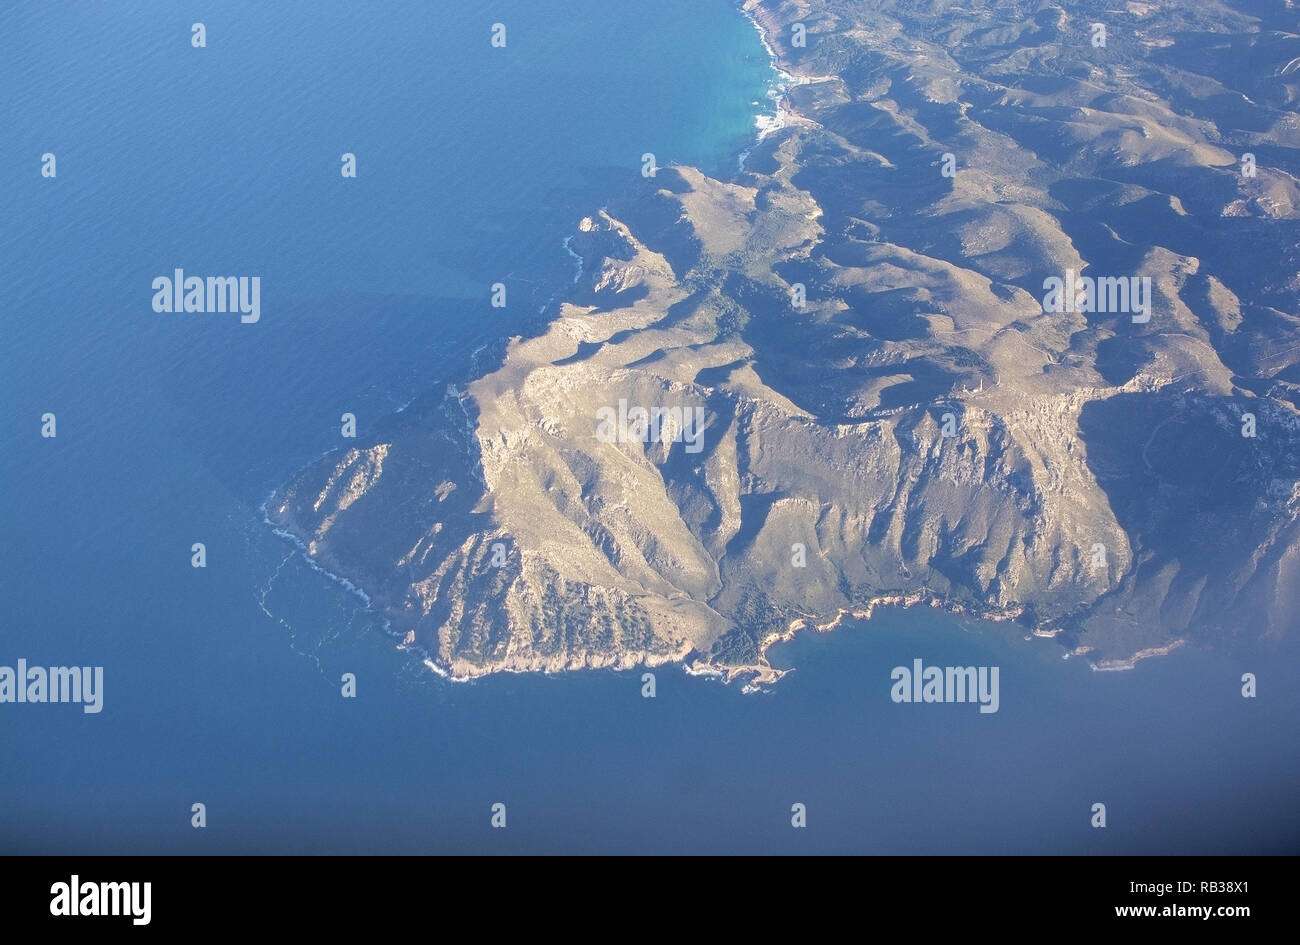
<point>222,684</point>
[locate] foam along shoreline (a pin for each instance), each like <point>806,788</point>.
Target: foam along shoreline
<point>407,645</point>
<point>578,261</point>
<point>281,531</point>
<point>769,125</point>
<point>765,674</point>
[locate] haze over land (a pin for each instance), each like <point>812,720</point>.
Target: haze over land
<point>924,297</point>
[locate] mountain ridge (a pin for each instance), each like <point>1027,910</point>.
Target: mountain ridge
<point>920,427</point>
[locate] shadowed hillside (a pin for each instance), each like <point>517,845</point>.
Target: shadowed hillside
<point>920,428</point>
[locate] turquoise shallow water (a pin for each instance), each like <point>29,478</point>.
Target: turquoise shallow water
<point>221,684</point>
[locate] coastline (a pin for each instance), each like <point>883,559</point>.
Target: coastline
<point>761,672</point>
<point>767,674</point>
<point>768,125</point>
<point>768,24</point>
<point>765,126</point>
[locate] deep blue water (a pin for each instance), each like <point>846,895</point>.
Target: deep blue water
<point>221,684</point>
